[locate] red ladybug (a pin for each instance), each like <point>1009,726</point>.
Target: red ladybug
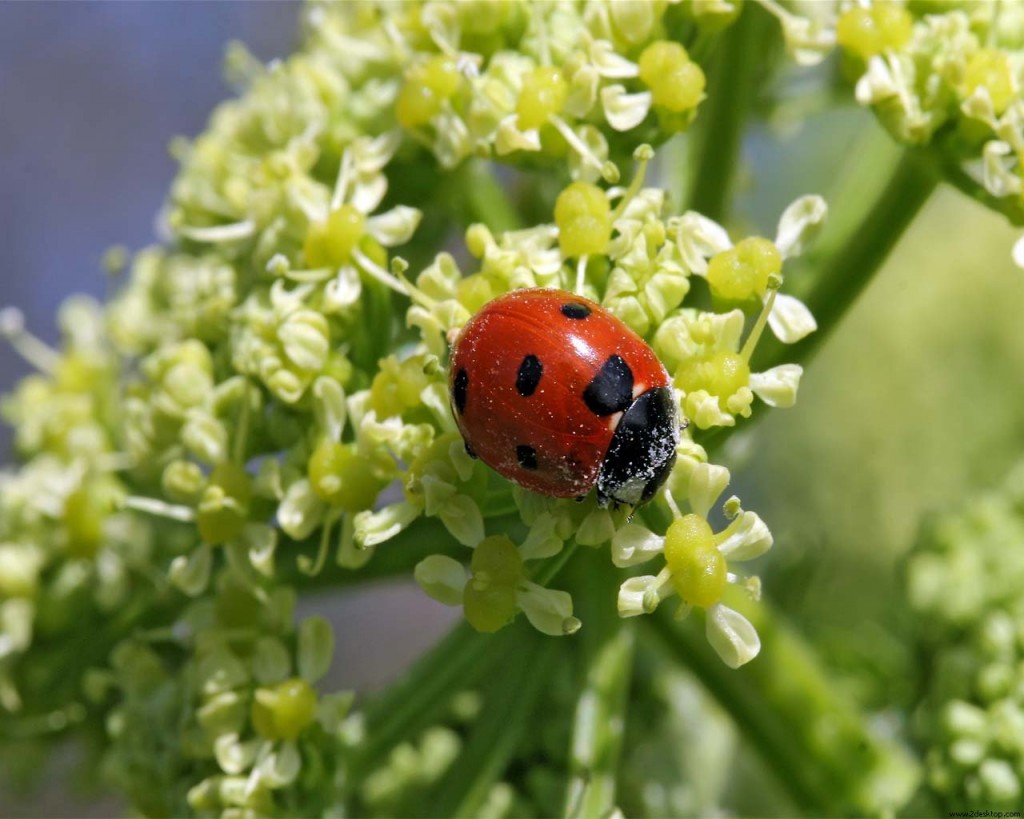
<point>558,395</point>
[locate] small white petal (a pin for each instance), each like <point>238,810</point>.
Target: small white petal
<point>343,290</point>
<point>1018,252</point>
<point>790,319</point>
<point>232,755</point>
<point>329,407</point>
<point>351,554</point>
<point>778,386</point>
<point>624,111</point>
<point>461,516</point>
<point>509,138</point>
<point>877,83</point>
<point>436,493</point>
<point>799,222</point>
<point>316,648</point>
<point>609,63</point>
<point>745,538</point>
<point>596,528</point>
<point>704,411</point>
<point>190,574</point>
<point>707,482</point>
<point>542,541</point>
<point>639,595</point>
<point>998,174</point>
<point>548,610</point>
<point>282,767</point>
<point>732,636</point>
<point>301,511</point>
<point>699,239</point>
<point>372,528</point>
<point>634,544</point>
<point>261,541</point>
<point>443,578</point>
<point>395,227</point>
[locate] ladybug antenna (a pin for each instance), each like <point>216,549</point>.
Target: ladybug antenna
<point>643,154</point>
<point>774,283</point>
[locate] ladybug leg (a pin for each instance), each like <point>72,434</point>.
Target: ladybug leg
<point>469,450</point>
<point>580,498</point>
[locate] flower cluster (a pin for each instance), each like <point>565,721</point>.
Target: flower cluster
<point>947,75</point>
<point>219,716</point>
<point>265,397</point>
<point>964,582</point>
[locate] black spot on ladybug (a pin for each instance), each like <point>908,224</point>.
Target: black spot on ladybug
<point>527,456</point>
<point>575,310</point>
<point>459,388</point>
<point>611,390</point>
<point>529,375</point>
<point>469,450</point>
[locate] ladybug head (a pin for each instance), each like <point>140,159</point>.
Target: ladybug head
<point>642,452</point>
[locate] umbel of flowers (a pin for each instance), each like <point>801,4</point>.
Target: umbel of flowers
<point>262,405</point>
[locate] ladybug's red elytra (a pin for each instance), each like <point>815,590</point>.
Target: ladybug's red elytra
<point>557,394</point>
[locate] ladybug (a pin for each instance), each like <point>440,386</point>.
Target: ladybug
<point>557,394</point>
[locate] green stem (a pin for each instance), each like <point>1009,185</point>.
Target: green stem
<point>853,248</point>
<point>599,724</point>
<point>786,706</point>
<point>419,699</point>
<point>485,198</point>
<point>734,75</point>
<point>509,703</point>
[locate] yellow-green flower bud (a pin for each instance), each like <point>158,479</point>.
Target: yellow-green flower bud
<point>488,608</point>
<point>397,387</point>
<point>584,220</point>
<point>224,506</point>
<point>489,600</point>
<point>339,476</point>
<point>543,93</point>
<point>741,273</point>
<point>721,374</point>
<point>675,81</point>
<point>426,87</point>
<point>285,710</point>
<point>85,511</point>
<point>330,243</point>
<point>866,32</point>
<point>991,70</point>
<point>497,561</point>
<point>698,568</point>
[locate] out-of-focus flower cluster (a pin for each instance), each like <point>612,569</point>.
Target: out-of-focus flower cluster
<point>266,393</point>
<point>947,75</point>
<point>964,581</point>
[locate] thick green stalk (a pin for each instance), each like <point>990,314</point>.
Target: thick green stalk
<point>859,237</point>
<point>509,701</point>
<point>599,725</point>
<point>738,68</point>
<point>786,706</point>
<point>419,699</point>
<point>485,198</point>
